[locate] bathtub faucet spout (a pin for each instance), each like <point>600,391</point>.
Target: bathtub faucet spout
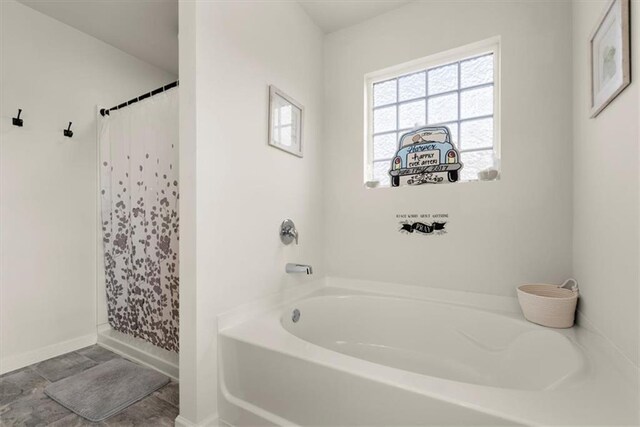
<point>298,268</point>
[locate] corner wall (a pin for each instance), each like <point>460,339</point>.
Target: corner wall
<point>606,191</point>
<point>243,187</point>
<point>188,209</point>
<point>48,219</point>
<point>500,234</point>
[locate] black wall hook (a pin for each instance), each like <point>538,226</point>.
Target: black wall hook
<point>68,132</point>
<point>17,121</point>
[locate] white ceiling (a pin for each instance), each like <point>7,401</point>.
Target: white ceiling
<point>333,15</point>
<point>145,29</point>
<point>148,29</point>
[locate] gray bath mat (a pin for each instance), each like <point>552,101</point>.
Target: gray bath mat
<point>106,389</point>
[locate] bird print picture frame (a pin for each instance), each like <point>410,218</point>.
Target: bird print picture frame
<point>610,56</point>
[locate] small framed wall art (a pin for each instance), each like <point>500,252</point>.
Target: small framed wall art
<point>286,117</point>
<point>610,55</point>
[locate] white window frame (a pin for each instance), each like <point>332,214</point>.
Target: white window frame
<point>485,47</point>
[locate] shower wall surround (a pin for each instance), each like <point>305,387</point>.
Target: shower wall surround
<point>48,182</point>
<point>499,234</point>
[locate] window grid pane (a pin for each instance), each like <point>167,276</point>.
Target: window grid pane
<point>474,162</point>
<point>381,172</point>
<point>477,133</point>
<point>476,102</point>
<point>430,97</point>
<point>412,86</point>
<point>384,93</point>
<point>444,78</point>
<point>476,71</point>
<point>411,114</point>
<point>385,146</point>
<point>384,119</point>
<point>443,108</point>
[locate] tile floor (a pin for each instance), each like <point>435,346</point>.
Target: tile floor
<point>23,402</point>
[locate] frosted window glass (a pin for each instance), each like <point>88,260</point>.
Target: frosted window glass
<point>381,172</point>
<point>384,119</point>
<point>453,130</point>
<point>411,114</point>
<point>443,108</point>
<point>443,79</point>
<point>459,95</point>
<point>476,102</point>
<point>384,146</point>
<point>474,162</point>
<point>476,71</point>
<point>477,134</point>
<point>384,93</point>
<point>412,86</point>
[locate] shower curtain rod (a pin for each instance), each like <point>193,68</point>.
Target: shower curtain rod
<point>105,111</point>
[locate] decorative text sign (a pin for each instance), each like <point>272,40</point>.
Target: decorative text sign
<point>423,224</point>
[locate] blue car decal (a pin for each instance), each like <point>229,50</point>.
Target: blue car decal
<point>425,155</point>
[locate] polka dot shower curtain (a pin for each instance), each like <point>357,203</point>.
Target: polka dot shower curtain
<point>139,204</point>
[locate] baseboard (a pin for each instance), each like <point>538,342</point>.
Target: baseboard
<point>18,361</point>
<point>139,351</point>
<point>183,422</point>
<point>211,421</point>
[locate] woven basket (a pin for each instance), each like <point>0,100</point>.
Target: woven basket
<point>549,305</point>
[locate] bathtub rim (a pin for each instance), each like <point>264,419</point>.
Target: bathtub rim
<point>238,327</point>
<point>278,299</point>
<point>576,376</point>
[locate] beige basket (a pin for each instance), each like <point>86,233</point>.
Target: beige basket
<point>549,305</point>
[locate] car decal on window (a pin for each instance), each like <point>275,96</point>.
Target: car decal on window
<point>425,155</point>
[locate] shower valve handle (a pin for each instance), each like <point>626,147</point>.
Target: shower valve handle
<point>288,232</point>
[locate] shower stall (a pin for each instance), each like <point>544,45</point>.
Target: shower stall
<point>138,196</point>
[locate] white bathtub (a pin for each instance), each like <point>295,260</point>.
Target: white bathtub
<point>354,358</point>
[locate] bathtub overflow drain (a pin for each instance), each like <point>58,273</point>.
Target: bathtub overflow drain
<point>295,316</point>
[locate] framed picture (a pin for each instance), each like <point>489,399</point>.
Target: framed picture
<point>285,122</point>
<point>610,55</point>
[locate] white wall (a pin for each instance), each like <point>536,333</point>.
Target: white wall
<point>501,234</point>
<point>606,189</point>
<point>244,188</point>
<point>48,222</point>
<point>188,212</point>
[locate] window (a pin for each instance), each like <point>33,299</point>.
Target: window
<point>458,91</point>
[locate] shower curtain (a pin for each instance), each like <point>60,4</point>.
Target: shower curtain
<point>139,204</point>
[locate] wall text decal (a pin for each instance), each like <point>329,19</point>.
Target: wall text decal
<point>423,224</point>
